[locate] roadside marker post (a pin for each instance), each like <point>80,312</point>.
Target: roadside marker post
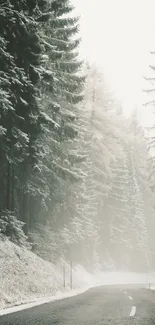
<point>71,275</point>
<point>64,277</point>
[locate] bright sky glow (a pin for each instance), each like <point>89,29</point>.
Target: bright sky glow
<point>118,35</point>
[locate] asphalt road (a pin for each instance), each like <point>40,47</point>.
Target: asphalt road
<point>121,305</point>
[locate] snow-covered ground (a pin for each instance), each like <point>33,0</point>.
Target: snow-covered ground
<point>58,296</point>
<point>27,279</point>
<point>24,277</point>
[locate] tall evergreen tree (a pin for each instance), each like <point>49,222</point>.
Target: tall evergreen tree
<point>62,88</point>
<point>20,59</point>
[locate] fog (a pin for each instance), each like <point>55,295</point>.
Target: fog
<point>77,146</point>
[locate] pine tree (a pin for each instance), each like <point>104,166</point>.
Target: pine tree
<point>118,174</point>
<point>62,90</point>
<point>150,130</point>
<point>149,108</point>
<point>20,60</point>
<point>61,85</point>
<point>128,231</point>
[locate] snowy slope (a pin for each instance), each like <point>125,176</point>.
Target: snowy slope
<point>24,277</point>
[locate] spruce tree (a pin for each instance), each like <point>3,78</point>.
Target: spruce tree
<point>20,61</point>
<point>61,91</point>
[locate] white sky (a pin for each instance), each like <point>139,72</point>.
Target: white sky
<point>118,35</point>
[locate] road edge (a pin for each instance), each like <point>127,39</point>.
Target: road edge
<point>39,302</point>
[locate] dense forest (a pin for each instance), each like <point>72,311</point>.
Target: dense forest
<point>74,172</point>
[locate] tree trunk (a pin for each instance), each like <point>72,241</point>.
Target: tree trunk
<point>13,189</point>
<point>8,188</point>
<point>25,212</point>
<point>25,204</point>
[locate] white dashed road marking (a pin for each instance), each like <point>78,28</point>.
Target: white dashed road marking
<point>130,297</point>
<point>133,311</point>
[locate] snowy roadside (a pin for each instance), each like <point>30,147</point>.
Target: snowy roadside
<point>104,278</point>
<point>38,302</point>
<point>27,280</point>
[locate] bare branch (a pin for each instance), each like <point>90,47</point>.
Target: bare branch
<point>150,102</point>
<point>149,90</point>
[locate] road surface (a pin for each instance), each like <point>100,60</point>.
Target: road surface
<point>110,305</point>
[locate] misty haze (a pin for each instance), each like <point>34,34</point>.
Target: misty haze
<point>77,162</point>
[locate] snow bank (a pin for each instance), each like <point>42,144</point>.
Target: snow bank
<point>24,277</point>
<point>38,302</point>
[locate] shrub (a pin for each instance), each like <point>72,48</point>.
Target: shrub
<point>12,228</point>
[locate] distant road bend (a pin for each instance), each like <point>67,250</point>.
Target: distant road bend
<point>104,305</point>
